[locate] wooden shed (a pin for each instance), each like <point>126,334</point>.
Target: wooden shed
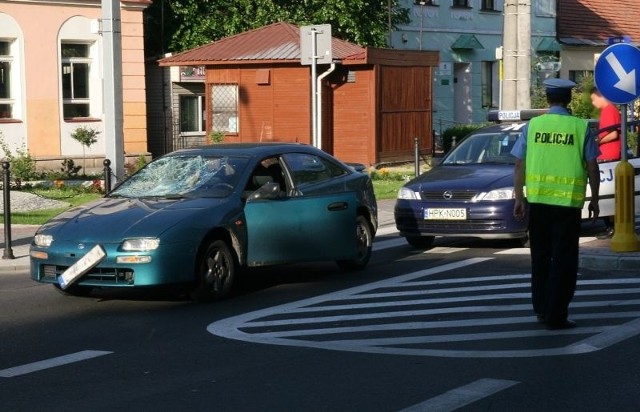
<point>375,102</point>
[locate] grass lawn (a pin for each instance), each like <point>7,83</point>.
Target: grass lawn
<point>387,189</point>
<point>39,217</point>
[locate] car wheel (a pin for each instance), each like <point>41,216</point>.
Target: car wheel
<point>216,269</point>
<point>73,290</point>
<point>364,237</point>
<point>420,242</point>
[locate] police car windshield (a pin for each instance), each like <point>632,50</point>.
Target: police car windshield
<point>484,148</point>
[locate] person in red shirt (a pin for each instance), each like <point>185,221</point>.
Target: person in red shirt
<point>609,116</point>
<point>609,142</point>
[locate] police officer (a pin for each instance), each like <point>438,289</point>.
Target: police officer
<point>555,155</point>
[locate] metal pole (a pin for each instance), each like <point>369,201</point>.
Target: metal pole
<point>421,21</point>
<point>314,91</point>
<point>6,189</point>
<point>107,175</point>
<point>623,130</point>
<point>416,147</point>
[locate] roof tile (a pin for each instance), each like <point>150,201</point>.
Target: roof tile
<point>275,42</point>
<point>594,21</point>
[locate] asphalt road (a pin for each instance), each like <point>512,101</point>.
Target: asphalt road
<point>441,330</point>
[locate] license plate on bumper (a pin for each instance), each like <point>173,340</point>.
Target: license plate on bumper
<point>82,266</point>
<point>445,214</point>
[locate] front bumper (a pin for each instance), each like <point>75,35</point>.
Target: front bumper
<point>170,264</point>
<point>487,220</point>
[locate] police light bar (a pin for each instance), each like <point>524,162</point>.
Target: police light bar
<point>514,115</point>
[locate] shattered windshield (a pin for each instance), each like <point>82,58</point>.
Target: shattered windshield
<point>484,148</point>
<point>184,175</point>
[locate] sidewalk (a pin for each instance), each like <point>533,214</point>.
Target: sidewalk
<point>595,254</point>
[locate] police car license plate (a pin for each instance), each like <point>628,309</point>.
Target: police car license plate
<point>82,266</point>
<point>445,214</point>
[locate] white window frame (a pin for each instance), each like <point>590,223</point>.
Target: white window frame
<point>14,78</point>
<point>77,60</point>
<point>201,114</point>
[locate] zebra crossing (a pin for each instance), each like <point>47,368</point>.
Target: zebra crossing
<point>444,311</point>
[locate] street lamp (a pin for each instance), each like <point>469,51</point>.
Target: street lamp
<point>421,3</point>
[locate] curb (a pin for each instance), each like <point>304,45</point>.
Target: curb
<point>601,260</point>
<point>15,268</point>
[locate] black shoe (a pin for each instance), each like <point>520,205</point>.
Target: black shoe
<point>565,324</point>
<point>607,234</point>
<point>541,319</point>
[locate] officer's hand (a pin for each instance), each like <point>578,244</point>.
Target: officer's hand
<point>594,211</point>
<point>519,209</point>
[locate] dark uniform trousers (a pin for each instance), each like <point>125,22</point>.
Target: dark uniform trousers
<point>554,233</point>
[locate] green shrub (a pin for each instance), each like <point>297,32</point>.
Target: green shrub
<point>69,168</point>
<point>23,166</point>
<point>459,131</point>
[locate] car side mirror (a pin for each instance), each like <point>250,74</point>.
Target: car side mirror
<point>268,191</point>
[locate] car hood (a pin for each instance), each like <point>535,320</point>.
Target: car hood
<point>112,219</point>
<point>481,177</point>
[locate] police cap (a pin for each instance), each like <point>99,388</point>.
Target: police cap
<point>558,87</point>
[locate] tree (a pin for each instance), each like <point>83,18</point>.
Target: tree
<point>87,137</point>
<point>190,23</point>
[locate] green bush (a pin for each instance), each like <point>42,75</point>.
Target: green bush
<point>23,166</point>
<point>459,131</point>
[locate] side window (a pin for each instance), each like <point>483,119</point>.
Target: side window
<point>309,169</point>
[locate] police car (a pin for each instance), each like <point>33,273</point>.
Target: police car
<point>470,192</point>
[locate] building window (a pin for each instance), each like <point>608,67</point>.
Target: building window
<point>192,118</point>
<point>490,84</point>
<point>546,8</point>
<point>76,66</point>
<point>6,103</point>
<point>488,5</point>
<point>224,108</point>
<point>461,3</point>
<point>578,75</point>
<point>424,2</point>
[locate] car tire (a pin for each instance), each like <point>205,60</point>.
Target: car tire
<point>73,290</point>
<point>364,237</point>
<point>216,268</point>
<point>420,242</point>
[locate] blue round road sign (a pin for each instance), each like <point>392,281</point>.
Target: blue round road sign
<point>617,73</point>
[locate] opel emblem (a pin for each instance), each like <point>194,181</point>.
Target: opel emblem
<point>448,195</point>
<point>80,246</point>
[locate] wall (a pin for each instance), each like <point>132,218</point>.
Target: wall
<point>42,26</point>
<point>578,58</point>
<point>438,27</point>
<point>354,112</point>
<point>278,111</point>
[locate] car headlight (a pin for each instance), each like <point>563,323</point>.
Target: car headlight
<point>144,244</point>
<point>408,194</point>
<point>43,240</point>
<point>505,193</point>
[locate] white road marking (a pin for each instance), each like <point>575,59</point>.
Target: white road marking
<point>445,250</point>
<point>51,363</point>
<point>462,396</point>
<point>452,316</point>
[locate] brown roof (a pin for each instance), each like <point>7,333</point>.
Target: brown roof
<point>593,21</point>
<point>278,42</point>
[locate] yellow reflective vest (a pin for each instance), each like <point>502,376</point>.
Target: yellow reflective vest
<point>556,172</point>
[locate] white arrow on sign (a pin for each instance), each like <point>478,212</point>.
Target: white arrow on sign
<point>627,82</point>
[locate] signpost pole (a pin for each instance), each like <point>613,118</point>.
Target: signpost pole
<point>624,237</point>
<point>314,91</point>
<point>616,78</point>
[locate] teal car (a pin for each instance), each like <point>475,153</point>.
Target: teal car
<point>196,216</point>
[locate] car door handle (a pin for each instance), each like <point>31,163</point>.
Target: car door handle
<point>337,206</point>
